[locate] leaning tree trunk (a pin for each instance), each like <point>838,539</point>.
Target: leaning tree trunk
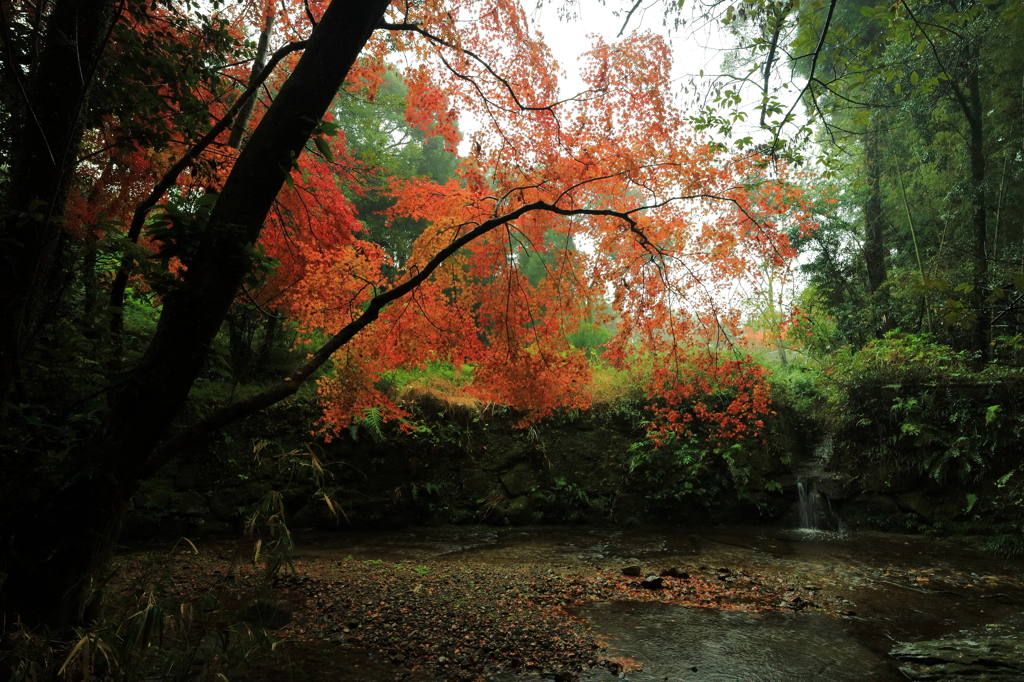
<point>68,547</point>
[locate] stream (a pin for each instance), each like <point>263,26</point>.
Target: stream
<point>897,588</point>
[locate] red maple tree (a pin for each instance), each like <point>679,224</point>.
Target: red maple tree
<point>177,190</point>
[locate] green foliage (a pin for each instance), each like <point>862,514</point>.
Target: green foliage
<point>569,501</point>
<point>439,376</point>
<point>372,422</point>
<point>920,407</point>
<point>690,468</point>
<point>537,261</point>
<point>1009,545</point>
<point>378,135</point>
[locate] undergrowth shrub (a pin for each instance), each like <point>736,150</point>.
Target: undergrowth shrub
<point>154,626</point>
<point>919,407</point>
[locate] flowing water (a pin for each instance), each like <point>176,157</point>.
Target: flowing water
<point>815,486</point>
<point>899,588</point>
<point>815,509</point>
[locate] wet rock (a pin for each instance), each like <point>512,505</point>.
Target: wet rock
<point>886,477</point>
<point>871,510</point>
<point>652,582</point>
<point>313,515</point>
<point>477,484</point>
<point>229,504</point>
<point>265,613</point>
<point>632,571</point>
<point>674,572</point>
<point>982,658</point>
<point>518,511</point>
<point>520,480</point>
<point>928,507</point>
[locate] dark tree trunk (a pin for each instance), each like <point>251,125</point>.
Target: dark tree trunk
<point>242,118</point>
<point>979,219</point>
<point>874,229</point>
<point>70,541</point>
<point>46,138</point>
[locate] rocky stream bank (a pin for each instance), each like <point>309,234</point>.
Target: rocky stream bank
<point>475,468</point>
<point>572,603</point>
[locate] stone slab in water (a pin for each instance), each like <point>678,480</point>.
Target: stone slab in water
<point>994,653</point>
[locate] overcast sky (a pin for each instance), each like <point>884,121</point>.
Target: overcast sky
<point>568,39</point>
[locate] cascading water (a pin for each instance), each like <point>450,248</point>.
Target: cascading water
<point>816,511</point>
<point>813,504</point>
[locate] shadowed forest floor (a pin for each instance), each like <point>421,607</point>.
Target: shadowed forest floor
<point>466,604</point>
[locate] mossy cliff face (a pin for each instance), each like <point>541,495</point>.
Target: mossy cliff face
<point>464,466</point>
<point>460,466</point>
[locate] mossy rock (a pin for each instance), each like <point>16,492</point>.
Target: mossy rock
<point>520,480</point>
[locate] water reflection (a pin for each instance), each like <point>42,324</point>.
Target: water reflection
<point>681,643</point>
<point>898,588</point>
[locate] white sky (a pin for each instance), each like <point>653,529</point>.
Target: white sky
<point>570,38</point>
<point>698,46</point>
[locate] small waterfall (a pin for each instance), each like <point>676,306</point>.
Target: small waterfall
<point>816,511</point>
<point>815,488</point>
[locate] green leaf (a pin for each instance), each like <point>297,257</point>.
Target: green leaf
<point>324,147</point>
<point>992,413</point>
<point>913,78</point>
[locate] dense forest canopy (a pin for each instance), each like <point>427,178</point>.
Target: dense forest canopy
<point>914,112</point>
<point>235,199</point>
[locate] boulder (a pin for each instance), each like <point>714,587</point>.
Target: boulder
<point>674,572</point>
<point>520,480</point>
<point>477,484</point>
<point>872,510</point>
<point>518,511</point>
<point>993,653</point>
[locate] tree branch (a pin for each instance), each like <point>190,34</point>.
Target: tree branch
<point>416,28</point>
<point>290,384</point>
<point>972,116</point>
<point>629,15</point>
<point>814,65</point>
<point>768,66</point>
<point>120,282</point>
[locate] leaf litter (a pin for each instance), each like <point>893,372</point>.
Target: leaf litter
<point>462,621</point>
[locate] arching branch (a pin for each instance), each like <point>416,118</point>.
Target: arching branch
<point>290,384</point>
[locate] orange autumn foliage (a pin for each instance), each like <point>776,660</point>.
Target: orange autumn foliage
<point>667,225</point>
